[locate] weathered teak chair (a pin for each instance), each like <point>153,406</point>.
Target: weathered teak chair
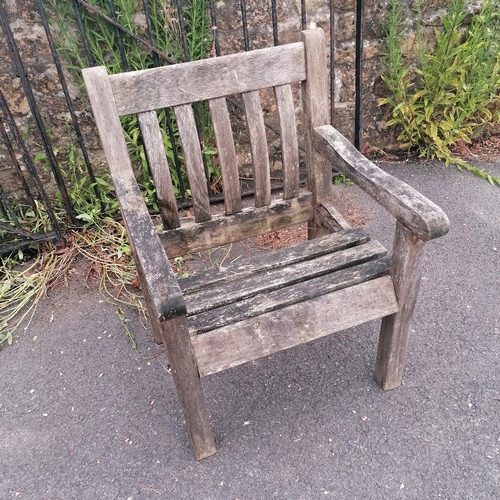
<point>333,281</point>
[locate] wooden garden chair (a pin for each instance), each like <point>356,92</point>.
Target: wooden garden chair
<point>337,279</point>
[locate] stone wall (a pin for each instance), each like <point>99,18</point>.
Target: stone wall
<point>30,36</point>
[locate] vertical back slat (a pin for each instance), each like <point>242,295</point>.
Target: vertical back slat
<point>289,144</point>
<point>194,161</point>
<point>258,147</point>
<point>227,154</point>
<point>157,160</point>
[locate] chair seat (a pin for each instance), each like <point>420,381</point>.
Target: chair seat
<point>229,309</point>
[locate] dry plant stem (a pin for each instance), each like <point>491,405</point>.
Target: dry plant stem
<point>100,247</point>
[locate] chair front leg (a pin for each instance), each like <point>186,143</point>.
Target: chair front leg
<point>174,334</point>
<point>182,360</point>
<point>406,264</point>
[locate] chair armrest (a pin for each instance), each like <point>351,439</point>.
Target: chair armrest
<point>408,206</point>
<point>157,278</point>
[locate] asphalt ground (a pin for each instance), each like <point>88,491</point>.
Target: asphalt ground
<point>83,416</point>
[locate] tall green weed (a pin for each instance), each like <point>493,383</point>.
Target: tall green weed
<point>105,49</point>
<point>453,94</point>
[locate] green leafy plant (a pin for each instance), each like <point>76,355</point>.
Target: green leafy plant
<point>122,52</point>
<point>104,248</point>
<point>101,242</point>
<point>453,93</point>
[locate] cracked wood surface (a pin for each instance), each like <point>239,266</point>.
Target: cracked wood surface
<point>274,331</point>
<point>188,82</point>
<point>411,208</point>
<point>194,237</point>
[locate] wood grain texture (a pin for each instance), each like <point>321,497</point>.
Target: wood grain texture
<point>289,144</point>
<point>410,207</point>
<point>258,147</point>
<point>193,161</point>
<point>315,104</point>
<point>227,155</point>
<point>406,264</point>
<point>270,261</point>
<point>166,298</point>
<point>272,332</point>
<point>187,381</point>
<point>144,90</point>
<point>193,237</point>
<point>329,219</point>
<point>265,281</point>
<point>160,171</point>
<point>166,306</point>
<point>268,299</point>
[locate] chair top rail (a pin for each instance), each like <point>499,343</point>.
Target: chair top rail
<point>155,88</point>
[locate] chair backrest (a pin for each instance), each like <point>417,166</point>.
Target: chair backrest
<point>178,87</point>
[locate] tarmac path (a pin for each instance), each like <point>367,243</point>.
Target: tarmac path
<point>82,416</point>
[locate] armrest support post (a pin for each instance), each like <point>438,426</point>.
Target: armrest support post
<point>406,263</point>
<point>418,221</point>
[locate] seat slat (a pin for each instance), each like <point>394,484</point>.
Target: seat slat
<point>258,148</point>
<point>289,144</point>
<point>157,160</point>
<point>268,301</point>
<point>268,261</point>
<point>186,83</point>
<point>194,162</point>
<point>227,154</point>
<point>274,331</point>
<point>265,281</point>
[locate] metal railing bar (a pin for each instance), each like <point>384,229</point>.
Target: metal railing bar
<point>18,230</point>
<point>29,163</point>
<point>98,12</point>
<point>274,18</point>
<point>118,34</point>
<point>151,34</point>
<point>69,103</point>
<point>11,43</point>
<point>10,213</point>
<point>36,239</point>
<point>182,26</point>
<point>332,62</point>
<point>196,108</point>
<point>213,20</point>
<point>360,6</point>
<point>243,8</point>
<point>177,161</point>
<point>13,156</point>
<point>171,135</point>
<point>81,28</point>
<point>303,17</point>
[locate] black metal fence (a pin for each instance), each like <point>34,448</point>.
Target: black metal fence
<point>13,235</point>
